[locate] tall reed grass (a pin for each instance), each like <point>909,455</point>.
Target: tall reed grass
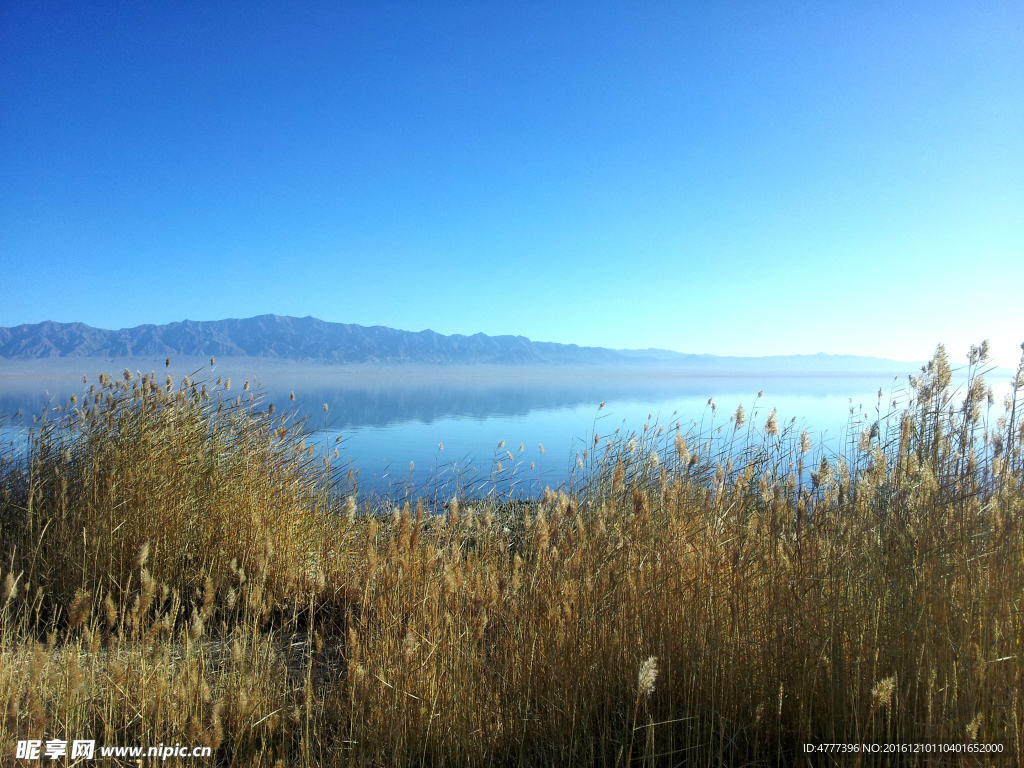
<point>179,564</point>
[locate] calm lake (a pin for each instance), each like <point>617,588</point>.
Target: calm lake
<point>403,426</point>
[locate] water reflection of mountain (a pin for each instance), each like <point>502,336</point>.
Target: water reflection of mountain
<point>428,402</point>
<point>432,401</point>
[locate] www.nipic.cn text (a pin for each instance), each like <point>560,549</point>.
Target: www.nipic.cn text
<point>85,749</point>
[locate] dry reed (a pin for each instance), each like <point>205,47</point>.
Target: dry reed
<point>176,566</point>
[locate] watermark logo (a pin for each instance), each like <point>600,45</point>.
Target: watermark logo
<point>85,749</point>
<point>34,749</point>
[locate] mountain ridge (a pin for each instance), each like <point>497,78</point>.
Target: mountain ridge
<point>312,340</point>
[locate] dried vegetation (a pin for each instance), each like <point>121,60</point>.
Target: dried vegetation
<point>179,564</point>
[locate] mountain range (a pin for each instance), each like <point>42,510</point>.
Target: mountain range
<point>311,340</point>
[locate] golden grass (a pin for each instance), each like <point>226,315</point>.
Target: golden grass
<point>178,566</point>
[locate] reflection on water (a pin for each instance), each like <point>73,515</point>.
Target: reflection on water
<point>389,417</point>
<point>566,427</point>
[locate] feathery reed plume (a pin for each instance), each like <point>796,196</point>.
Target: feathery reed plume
<point>881,694</point>
<point>142,555</point>
<point>350,509</point>
<point>973,727</point>
<point>805,442</point>
<point>647,675</point>
<point>681,448</point>
<point>864,441</point>
<point>771,427</point>
<point>619,475</point>
<point>109,611</point>
<point>10,588</point>
<point>78,611</point>
<point>454,512</point>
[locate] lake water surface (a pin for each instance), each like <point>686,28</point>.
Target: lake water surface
<point>404,425</point>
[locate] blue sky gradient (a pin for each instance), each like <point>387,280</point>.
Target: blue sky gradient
<point>736,178</point>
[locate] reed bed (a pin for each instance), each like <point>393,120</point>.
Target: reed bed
<point>179,563</point>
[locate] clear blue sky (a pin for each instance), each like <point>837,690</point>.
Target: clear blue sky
<point>736,178</point>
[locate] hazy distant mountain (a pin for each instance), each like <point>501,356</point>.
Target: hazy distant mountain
<point>310,339</point>
<point>289,338</point>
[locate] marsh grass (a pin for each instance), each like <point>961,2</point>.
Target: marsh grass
<point>178,565</point>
